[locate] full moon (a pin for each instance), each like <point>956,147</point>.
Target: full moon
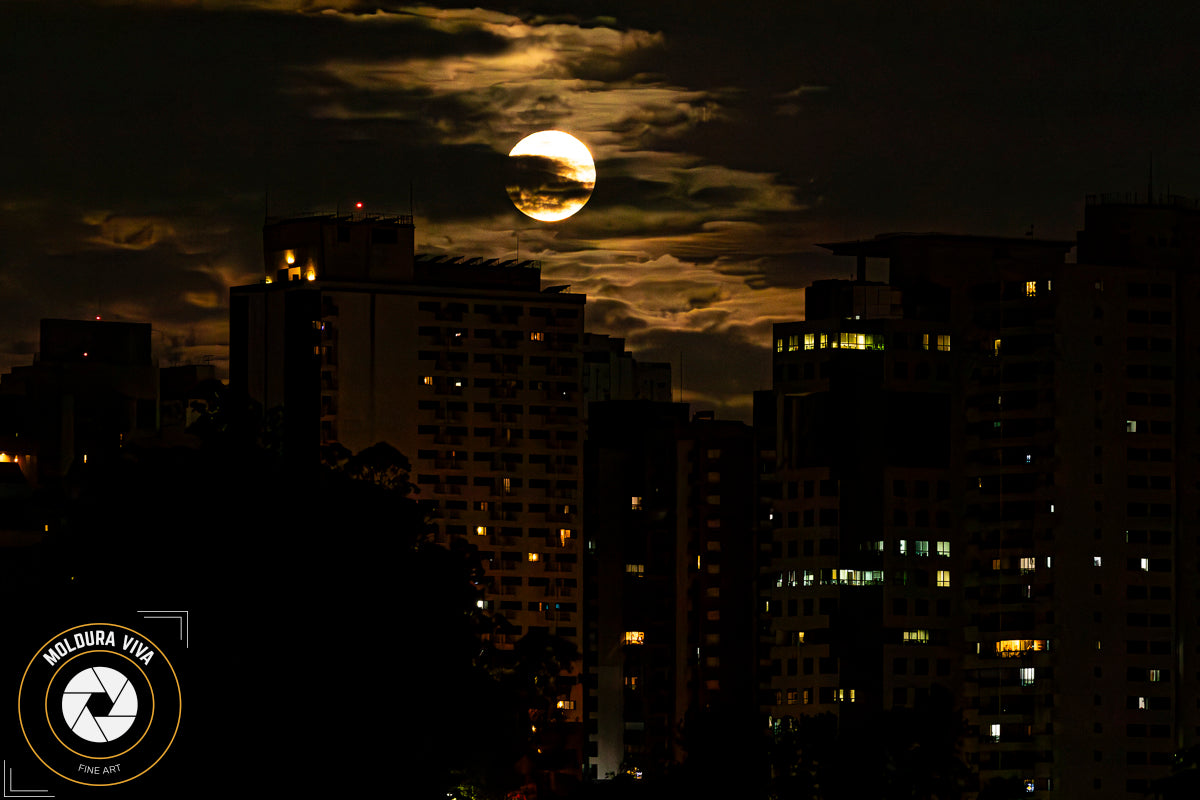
<point>551,175</point>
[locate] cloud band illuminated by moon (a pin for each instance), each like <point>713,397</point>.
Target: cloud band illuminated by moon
<point>552,175</point>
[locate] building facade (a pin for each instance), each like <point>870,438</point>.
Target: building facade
<point>1059,473</point>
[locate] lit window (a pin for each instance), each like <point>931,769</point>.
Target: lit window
<point>995,732</point>
<point>793,343</point>
<point>799,636</point>
<point>534,556</point>
<point>807,696</point>
<point>636,569</point>
<point>635,637</point>
<point>995,565</point>
<point>1031,288</point>
<point>845,695</point>
<point>1096,561</point>
<point>1027,676</point>
<point>810,341</point>
<point>791,579</point>
<point>481,530</point>
<point>290,257</point>
<point>311,274</point>
<point>922,548</point>
<point>1144,564</point>
<point>903,547</point>
<point>808,577</point>
<point>1131,426</point>
<point>943,343</point>
<point>1155,675</point>
<point>1049,561</point>
<point>916,637</point>
<point>1007,648</point>
<point>924,341</point>
<point>779,345</point>
<point>943,578</point>
<point>1028,564</point>
<point>566,705</point>
<point>537,336</point>
<point>824,340</point>
<point>996,347</point>
<point>792,696</point>
<point>564,536</point>
<point>507,483</point>
<point>1029,458</point>
<point>1141,703</point>
<point>943,548</point>
<point>427,380</point>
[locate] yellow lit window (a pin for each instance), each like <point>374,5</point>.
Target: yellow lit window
<point>427,380</point>
<point>635,637</point>
<point>635,503</point>
<point>799,637</point>
<point>810,341</point>
<point>1031,288</point>
<point>564,536</point>
<point>507,485</point>
<point>311,274</point>
<point>996,347</point>
<point>943,577</point>
<point>916,637</point>
<point>779,345</point>
<point>845,695</point>
<point>566,705</point>
<point>481,530</point>
<point>793,343</point>
<point>1028,564</point>
<point>824,340</point>
<point>636,569</point>
<point>537,336</point>
<point>1007,648</point>
<point>943,342</point>
<point>924,341</point>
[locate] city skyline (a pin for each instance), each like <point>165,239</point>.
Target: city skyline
<point>143,137</point>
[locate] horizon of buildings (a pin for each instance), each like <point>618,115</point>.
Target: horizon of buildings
<point>976,473</point>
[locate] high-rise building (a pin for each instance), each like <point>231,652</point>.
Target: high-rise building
<point>92,386</point>
<point>467,366</point>
<point>669,582</point>
<point>1053,405</point>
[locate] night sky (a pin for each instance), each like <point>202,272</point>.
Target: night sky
<point>141,137</point>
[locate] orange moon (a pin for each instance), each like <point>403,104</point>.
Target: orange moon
<point>552,175</point>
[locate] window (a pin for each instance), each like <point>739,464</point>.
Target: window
<point>916,637</point>
<point>1155,675</point>
<point>943,549</point>
<point>779,345</point>
<point>943,578</point>
<point>1031,288</point>
<point>793,343</point>
<point>1028,565</point>
<point>1144,565</point>
<point>537,336</point>
<point>995,729</point>
<point>635,503</point>
<point>564,536</point>
<point>566,705</point>
<point>1096,561</point>
<point>1131,426</point>
<point>922,548</point>
<point>924,341</point>
<point>481,530</point>
<point>845,695</point>
<point>903,547</point>
<point>810,341</point>
<point>534,556</point>
<point>1007,648</point>
<point>943,343</point>
<point>635,637</point>
<point>1027,675</point>
<point>427,380</point>
<point>996,348</point>
<point>636,569</point>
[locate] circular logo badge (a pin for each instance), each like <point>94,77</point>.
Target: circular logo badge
<point>100,704</point>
